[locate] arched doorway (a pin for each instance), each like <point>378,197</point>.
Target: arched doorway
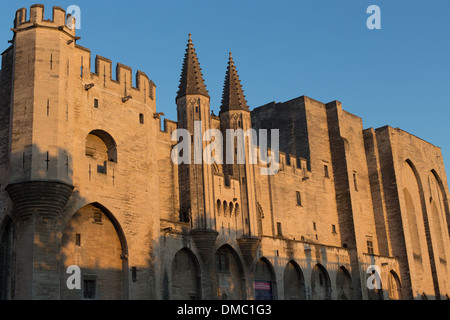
<point>344,284</point>
<point>229,274</point>
<point>395,288</point>
<point>185,276</point>
<point>320,283</point>
<point>294,282</point>
<point>264,282</point>
<point>7,265</point>
<point>94,241</point>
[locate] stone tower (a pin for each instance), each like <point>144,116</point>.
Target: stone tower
<point>40,181</point>
<point>196,193</point>
<point>235,115</point>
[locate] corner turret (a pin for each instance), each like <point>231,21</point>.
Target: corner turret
<point>59,19</point>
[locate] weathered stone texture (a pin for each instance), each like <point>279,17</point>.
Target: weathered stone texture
<point>87,179</point>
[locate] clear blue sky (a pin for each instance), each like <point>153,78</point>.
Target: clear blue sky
<point>397,76</point>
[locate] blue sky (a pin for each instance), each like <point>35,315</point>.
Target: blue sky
<point>397,76</point>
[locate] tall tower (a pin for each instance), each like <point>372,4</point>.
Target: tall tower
<point>234,114</point>
<point>196,184</point>
<point>40,181</point>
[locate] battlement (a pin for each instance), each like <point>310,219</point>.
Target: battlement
<point>127,86</point>
<point>288,163</point>
<point>103,76</point>
<point>60,20</point>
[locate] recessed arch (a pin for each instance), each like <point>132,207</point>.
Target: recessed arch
<point>225,208</point>
<point>412,226</point>
<point>437,231</point>
<point>264,280</point>
<point>294,282</point>
<point>219,205</point>
<point>186,276</point>
<point>412,179</point>
<point>229,274</point>
<point>344,284</point>
<point>94,240</point>
<point>100,144</point>
<point>443,198</point>
<point>320,283</point>
<point>394,288</point>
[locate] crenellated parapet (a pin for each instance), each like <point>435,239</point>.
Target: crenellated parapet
<point>60,20</point>
<point>287,163</point>
<point>141,89</point>
<point>71,56</point>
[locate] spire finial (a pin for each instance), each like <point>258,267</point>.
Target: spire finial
<point>191,81</point>
<point>233,96</point>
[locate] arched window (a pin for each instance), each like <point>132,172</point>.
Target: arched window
<point>236,209</point>
<point>218,207</point>
<point>225,207</point>
<point>231,209</point>
<point>101,147</point>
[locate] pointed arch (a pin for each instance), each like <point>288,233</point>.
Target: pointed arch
<point>394,286</point>
<point>264,280</point>
<point>225,208</point>
<point>219,205</point>
<point>437,231</point>
<point>412,226</point>
<point>443,198</point>
<point>229,274</point>
<point>96,233</point>
<point>320,283</point>
<point>416,182</point>
<point>186,276</point>
<point>344,284</point>
<point>294,282</point>
<point>236,209</point>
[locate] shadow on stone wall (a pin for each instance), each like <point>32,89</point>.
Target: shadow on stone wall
<point>41,236</point>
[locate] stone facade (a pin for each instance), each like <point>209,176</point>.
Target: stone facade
<point>87,179</point>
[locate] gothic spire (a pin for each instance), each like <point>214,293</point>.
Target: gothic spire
<point>191,81</point>
<point>233,97</point>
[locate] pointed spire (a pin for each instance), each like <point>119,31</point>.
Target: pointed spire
<point>233,97</point>
<point>191,81</point>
